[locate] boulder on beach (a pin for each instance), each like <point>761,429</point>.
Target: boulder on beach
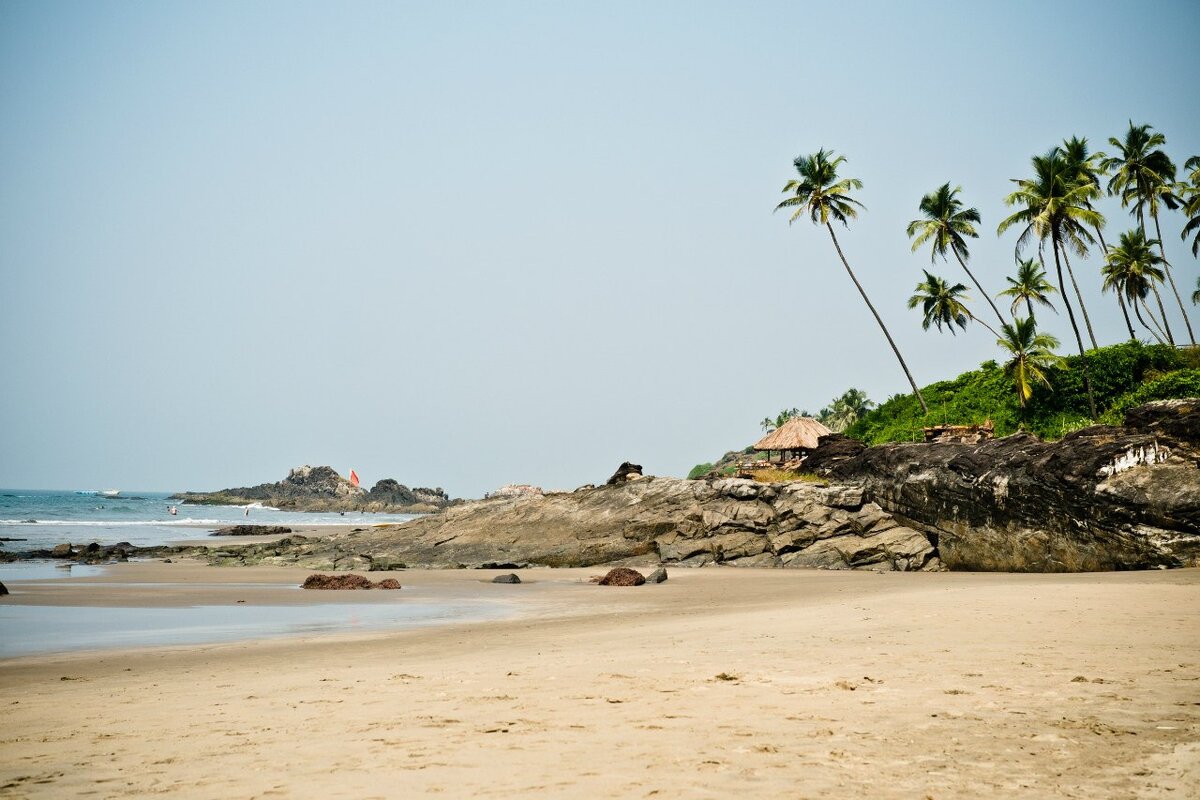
<point>658,576</point>
<point>3,590</point>
<point>623,576</point>
<point>62,551</point>
<point>349,581</point>
<point>509,578</point>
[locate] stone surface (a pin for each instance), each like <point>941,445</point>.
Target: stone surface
<point>509,578</point>
<point>251,530</point>
<point>658,576</point>
<point>62,551</point>
<point>3,590</point>
<point>1100,498</point>
<point>623,576</point>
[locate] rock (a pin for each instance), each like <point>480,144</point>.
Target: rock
<point>251,530</point>
<point>509,578</point>
<point>1100,498</point>
<point>623,576</point>
<point>3,590</point>
<point>627,471</point>
<point>349,581</point>
<point>658,576</point>
<point>62,551</point>
<point>323,489</point>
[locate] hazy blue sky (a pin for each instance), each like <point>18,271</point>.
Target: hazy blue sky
<point>467,244</point>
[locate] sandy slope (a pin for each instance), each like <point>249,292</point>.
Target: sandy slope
<point>720,682</point>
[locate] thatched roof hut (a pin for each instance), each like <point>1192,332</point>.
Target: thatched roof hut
<point>798,433</point>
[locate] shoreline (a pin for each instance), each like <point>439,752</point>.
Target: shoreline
<point>719,681</point>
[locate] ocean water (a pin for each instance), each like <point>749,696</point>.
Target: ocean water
<point>43,519</point>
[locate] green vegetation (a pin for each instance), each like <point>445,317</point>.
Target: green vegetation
<point>699,471</point>
<point>1123,376</point>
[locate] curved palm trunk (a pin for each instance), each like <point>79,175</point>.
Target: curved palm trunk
<point>978,286</point>
<point>1029,306</point>
<point>1087,378</point>
<point>1163,314</point>
<point>1171,279</point>
<point>878,319</point>
<point>1086,320</point>
<point>1143,321</point>
<point>984,324</point>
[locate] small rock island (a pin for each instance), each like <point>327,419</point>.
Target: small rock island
<point>323,489</point>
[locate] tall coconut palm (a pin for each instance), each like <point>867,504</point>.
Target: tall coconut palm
<point>1144,179</point>
<point>943,305</point>
<point>1089,168</point>
<point>824,196</point>
<point>1029,286</point>
<point>1132,268</point>
<point>1051,205</point>
<point>1191,190</point>
<point>1196,294</point>
<point>1032,356</point>
<point>946,224</point>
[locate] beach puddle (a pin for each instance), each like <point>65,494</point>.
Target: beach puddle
<point>31,630</point>
<point>46,570</point>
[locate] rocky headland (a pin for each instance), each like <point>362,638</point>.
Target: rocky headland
<point>323,489</point>
<point>1102,498</point>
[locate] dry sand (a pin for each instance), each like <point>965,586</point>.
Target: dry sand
<point>718,683</point>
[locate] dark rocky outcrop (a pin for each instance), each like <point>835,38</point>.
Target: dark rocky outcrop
<point>3,590</point>
<point>658,576</point>
<point>626,472</point>
<point>319,581</point>
<point>623,576</point>
<point>323,489</point>
<point>509,578</point>
<point>251,530</point>
<point>1100,498</point>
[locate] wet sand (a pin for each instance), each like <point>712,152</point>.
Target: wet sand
<point>720,682</point>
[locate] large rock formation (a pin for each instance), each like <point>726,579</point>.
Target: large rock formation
<point>654,520</point>
<point>1100,498</point>
<point>323,489</point>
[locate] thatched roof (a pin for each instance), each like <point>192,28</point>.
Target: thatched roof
<point>798,433</point>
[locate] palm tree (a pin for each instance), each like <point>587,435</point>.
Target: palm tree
<point>783,416</point>
<point>1089,168</point>
<point>1132,268</point>
<point>946,223</point>
<point>1192,207</point>
<point>846,410</point>
<point>943,304</point>
<point>1196,294</point>
<point>1032,355</point>
<point>1030,286</point>
<point>1052,206</point>
<point>821,194</point>
<point>1144,177</point>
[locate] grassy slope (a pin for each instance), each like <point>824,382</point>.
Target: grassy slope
<point>1122,376</point>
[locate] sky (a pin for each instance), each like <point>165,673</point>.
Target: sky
<point>469,244</point>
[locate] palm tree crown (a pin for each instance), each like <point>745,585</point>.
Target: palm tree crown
<point>819,191</point>
<point>1142,174</point>
<point>1132,270</point>
<point>1029,286</point>
<point>1192,205</point>
<point>1032,356</point>
<point>941,304</point>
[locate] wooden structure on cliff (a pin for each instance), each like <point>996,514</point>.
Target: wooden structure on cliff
<point>793,439</point>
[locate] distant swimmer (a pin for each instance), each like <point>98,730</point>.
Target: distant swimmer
<point>172,510</point>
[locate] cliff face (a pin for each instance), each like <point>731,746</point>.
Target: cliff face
<point>1100,498</point>
<point>323,489</point>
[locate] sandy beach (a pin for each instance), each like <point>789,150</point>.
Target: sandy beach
<point>762,683</point>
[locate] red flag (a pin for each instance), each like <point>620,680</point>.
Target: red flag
<point>353,478</point>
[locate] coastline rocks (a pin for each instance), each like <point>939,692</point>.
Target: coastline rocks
<point>310,488</point>
<point>62,551</point>
<point>658,576</point>
<point>318,581</point>
<point>623,576</point>
<point>509,578</point>
<point>251,530</point>
<point>626,472</point>
<point>1101,498</point>
<point>3,590</point>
